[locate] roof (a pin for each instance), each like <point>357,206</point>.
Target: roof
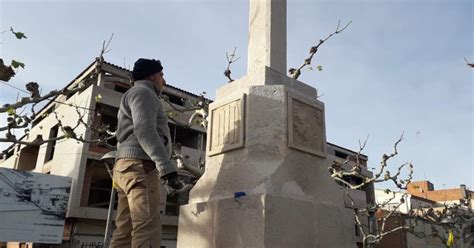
<point>416,197</point>
<point>69,84</point>
<point>116,66</point>
<point>425,189</point>
<point>167,85</point>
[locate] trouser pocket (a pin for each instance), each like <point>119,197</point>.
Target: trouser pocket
<point>139,202</point>
<point>139,181</point>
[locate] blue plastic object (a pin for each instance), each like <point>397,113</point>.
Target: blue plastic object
<point>239,194</point>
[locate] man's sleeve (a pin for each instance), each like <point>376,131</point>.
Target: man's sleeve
<point>144,114</point>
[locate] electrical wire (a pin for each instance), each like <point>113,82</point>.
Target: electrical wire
<point>67,104</point>
<point>14,87</point>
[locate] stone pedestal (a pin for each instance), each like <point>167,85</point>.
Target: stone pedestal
<point>266,138</point>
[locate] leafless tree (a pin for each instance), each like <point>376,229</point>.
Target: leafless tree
<point>372,236</point>
<point>340,170</point>
<point>199,110</point>
<point>230,59</point>
<point>21,120</point>
<point>296,72</point>
<point>444,222</point>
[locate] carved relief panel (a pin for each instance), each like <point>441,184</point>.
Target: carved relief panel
<point>227,126</point>
<point>306,126</point>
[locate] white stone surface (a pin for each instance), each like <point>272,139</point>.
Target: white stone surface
<point>264,221</point>
<point>227,118</point>
<point>280,164</point>
<point>267,35</point>
<point>291,201</point>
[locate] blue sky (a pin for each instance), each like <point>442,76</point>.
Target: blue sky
<point>398,68</point>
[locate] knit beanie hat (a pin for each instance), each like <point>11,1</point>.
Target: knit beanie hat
<point>145,67</point>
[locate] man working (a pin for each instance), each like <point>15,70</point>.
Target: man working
<point>143,157</point>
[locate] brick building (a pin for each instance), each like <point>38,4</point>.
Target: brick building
<point>425,189</point>
<point>422,194</point>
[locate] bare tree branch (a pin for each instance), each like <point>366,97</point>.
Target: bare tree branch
<point>105,48</point>
<point>32,100</point>
<point>339,170</point>
<point>230,60</point>
<point>374,238</point>
<point>295,73</point>
<point>200,112</point>
<point>23,121</point>
<point>469,63</point>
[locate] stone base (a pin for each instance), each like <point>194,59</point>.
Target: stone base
<point>263,221</point>
<point>267,138</point>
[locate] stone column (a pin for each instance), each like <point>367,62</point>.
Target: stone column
<point>266,182</point>
<point>267,35</point>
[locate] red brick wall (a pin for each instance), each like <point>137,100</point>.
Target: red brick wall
<point>396,239</point>
<point>424,189</point>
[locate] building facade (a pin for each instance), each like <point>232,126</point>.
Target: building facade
<point>422,195</point>
<point>91,183</point>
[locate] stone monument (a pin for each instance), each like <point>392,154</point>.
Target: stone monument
<point>266,182</point>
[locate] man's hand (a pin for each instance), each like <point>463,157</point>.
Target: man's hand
<point>172,182</point>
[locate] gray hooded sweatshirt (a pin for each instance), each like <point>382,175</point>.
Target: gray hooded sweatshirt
<point>143,127</point>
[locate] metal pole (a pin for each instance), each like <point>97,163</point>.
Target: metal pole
<point>113,193</point>
<point>108,227</point>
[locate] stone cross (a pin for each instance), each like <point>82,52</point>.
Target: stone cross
<point>266,183</point>
<point>267,35</point>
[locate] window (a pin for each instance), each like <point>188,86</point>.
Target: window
<point>97,185</point>
<point>174,99</point>
<point>28,158</point>
<point>53,133</point>
<point>353,180</point>
<point>106,115</point>
<point>341,154</point>
<point>187,137</point>
<point>122,88</point>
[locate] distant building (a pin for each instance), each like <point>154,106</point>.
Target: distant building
<point>461,195</point>
<point>425,189</point>
<point>411,202</point>
<point>91,183</point>
<point>362,197</point>
<point>422,195</point>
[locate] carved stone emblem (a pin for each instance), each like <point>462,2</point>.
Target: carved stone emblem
<point>306,126</point>
<point>227,126</point>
